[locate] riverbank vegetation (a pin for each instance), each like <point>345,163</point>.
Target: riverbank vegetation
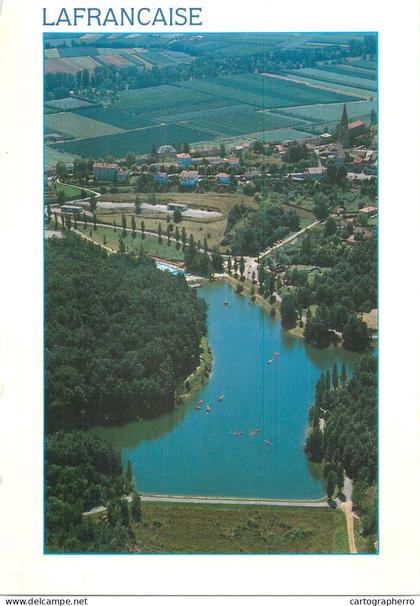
<point>343,437</point>
<point>201,373</point>
<point>120,336</point>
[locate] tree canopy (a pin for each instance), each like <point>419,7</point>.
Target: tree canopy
<point>120,336</point>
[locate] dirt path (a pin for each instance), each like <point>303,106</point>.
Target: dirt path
<point>162,498</point>
<point>347,509</point>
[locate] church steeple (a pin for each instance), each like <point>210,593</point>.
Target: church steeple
<point>344,117</point>
<point>343,134</point>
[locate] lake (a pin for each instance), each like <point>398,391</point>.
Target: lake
<point>194,452</point>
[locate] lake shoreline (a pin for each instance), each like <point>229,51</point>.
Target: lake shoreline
<point>200,375</point>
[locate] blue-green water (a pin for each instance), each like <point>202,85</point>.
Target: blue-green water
<point>195,452</point>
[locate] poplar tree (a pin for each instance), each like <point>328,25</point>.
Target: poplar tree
<point>235,267</point>
<point>343,374</point>
<point>335,376</point>
<point>160,233</point>
<point>136,509</point>
<point>241,267</point>
<point>340,478</point>
<point>331,483</point>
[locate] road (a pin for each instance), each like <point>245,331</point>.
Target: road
<point>289,239</point>
<point>251,265</point>
<point>164,498</point>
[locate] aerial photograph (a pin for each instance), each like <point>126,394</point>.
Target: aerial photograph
<point>211,305</point>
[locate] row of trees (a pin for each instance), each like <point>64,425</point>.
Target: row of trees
<point>200,260</point>
<point>343,435</point>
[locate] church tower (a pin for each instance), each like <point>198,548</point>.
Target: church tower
<point>342,134</point>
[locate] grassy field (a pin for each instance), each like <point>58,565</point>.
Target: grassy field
<point>212,230</point>
<point>72,192</point>
<point>189,528</point>
<point>150,244</point>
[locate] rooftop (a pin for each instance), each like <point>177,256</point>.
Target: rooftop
<point>105,165</point>
<point>166,149</point>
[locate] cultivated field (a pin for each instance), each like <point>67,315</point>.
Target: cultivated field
<point>53,155</point>
<point>160,101</point>
<point>77,126</point>
<point>263,91</point>
<point>116,117</point>
<point>228,109</point>
<point>68,103</point>
<point>331,112</point>
<point>351,70</point>
<point>337,78</point>
<point>233,122</point>
<point>138,141</point>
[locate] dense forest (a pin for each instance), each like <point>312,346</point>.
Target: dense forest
<point>83,471</point>
<point>343,435</point>
<point>121,335</point>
